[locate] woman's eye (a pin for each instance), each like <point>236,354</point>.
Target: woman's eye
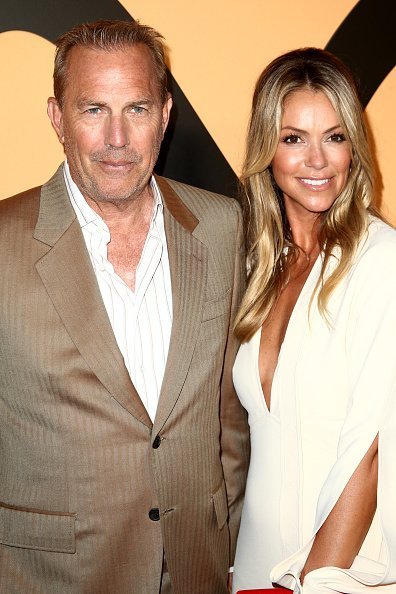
<point>339,137</point>
<point>292,139</point>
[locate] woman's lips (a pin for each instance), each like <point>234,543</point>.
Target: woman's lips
<point>315,183</point>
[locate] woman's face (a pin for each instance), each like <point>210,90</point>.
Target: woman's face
<point>311,163</point>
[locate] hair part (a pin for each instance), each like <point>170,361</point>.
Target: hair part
<point>268,232</point>
<point>108,36</point>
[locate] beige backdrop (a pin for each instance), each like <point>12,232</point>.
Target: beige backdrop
<point>217,50</point>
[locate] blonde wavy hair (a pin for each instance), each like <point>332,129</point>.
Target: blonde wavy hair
<point>267,229</point>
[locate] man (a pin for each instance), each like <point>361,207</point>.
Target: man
<point>123,448</point>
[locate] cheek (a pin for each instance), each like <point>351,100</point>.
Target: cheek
<point>342,161</point>
<point>284,165</point>
<point>343,171</point>
<point>149,143</point>
<point>84,138</point>
<point>83,146</point>
<point>346,164</point>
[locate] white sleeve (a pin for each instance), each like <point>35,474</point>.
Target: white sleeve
<point>371,353</point>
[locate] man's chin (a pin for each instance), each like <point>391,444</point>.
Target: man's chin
<point>115,194</point>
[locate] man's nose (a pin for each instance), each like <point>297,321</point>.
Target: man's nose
<point>116,132</point>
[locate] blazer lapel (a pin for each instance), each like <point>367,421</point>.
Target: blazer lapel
<point>188,265</point>
<point>70,281</point>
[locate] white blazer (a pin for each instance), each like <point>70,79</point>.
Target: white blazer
<point>339,382</point>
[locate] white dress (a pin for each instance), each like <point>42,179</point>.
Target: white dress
<point>333,391</point>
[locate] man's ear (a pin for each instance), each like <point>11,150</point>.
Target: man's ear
<point>56,116</point>
<point>166,113</point>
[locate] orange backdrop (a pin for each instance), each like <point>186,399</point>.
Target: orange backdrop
<point>217,50</point>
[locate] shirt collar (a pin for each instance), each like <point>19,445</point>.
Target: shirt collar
<point>158,202</point>
<point>85,214</point>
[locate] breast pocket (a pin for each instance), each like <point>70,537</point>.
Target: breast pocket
<point>36,529</point>
<point>217,307</point>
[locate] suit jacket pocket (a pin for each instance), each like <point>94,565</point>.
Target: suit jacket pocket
<point>220,505</point>
<point>217,307</point>
<point>36,529</point>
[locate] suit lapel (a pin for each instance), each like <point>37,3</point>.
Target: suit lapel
<point>188,265</point>
<point>70,281</point>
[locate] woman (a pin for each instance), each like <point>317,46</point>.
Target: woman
<point>317,368</point>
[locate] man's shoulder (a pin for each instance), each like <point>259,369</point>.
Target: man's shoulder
<point>26,204</point>
<point>202,202</point>
<point>219,217</point>
<point>21,204</point>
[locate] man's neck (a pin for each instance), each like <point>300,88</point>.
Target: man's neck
<point>127,215</point>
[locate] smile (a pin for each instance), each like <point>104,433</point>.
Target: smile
<point>315,182</point>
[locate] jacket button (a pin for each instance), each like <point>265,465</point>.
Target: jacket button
<point>156,442</point>
<point>154,514</point>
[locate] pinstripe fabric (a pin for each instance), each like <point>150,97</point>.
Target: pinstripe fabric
<point>78,473</point>
<point>141,319</point>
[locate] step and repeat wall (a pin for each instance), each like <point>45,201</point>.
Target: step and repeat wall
<point>217,49</point>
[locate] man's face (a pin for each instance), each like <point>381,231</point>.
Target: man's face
<point>112,122</point>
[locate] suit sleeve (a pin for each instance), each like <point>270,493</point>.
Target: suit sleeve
<point>235,449</point>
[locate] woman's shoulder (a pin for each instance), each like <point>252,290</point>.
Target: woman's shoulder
<point>375,260</point>
<point>379,241</point>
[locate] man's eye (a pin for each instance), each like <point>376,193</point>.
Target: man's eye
<point>339,137</point>
<point>291,139</point>
<point>93,110</point>
<point>138,109</point>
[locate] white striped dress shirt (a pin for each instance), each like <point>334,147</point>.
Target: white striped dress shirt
<point>141,319</point>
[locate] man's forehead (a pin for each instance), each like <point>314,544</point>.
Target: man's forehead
<point>91,71</point>
<point>92,54</point>
<point>91,63</point>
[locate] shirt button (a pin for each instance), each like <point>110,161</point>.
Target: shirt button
<point>156,442</point>
<point>154,514</point>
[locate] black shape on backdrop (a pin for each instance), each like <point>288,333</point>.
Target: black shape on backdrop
<point>188,153</point>
<point>365,41</point>
<point>51,18</point>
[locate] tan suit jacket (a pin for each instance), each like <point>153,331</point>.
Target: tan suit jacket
<point>91,491</point>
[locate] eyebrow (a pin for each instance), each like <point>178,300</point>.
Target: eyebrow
<point>299,131</point>
<point>86,101</point>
